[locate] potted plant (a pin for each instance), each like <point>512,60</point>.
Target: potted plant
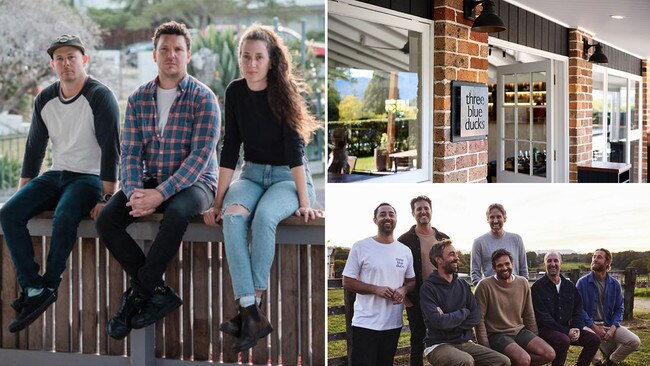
<point>381,153</point>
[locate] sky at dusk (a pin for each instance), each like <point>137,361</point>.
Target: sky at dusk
<point>579,217</point>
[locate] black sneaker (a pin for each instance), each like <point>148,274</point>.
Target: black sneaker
<point>18,303</point>
<point>163,301</point>
<point>120,324</point>
<point>32,308</point>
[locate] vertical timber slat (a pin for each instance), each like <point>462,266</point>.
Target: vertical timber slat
<point>318,304</point>
<point>89,317</point>
<point>9,292</point>
<point>289,295</point>
<point>229,310</point>
<point>201,336</point>
<point>173,320</point>
<point>187,300</point>
<point>35,330</point>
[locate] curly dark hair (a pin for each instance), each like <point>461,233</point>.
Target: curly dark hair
<point>284,88</point>
<point>174,28</point>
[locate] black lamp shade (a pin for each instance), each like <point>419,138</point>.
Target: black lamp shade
<point>488,21</point>
<point>598,57</point>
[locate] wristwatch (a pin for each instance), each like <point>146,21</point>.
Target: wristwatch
<point>106,197</point>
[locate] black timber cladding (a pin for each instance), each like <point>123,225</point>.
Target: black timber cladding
<point>620,60</point>
<point>531,30</point>
<point>524,28</point>
<point>420,8</point>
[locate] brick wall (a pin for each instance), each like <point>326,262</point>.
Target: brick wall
<point>459,54</point>
<point>580,109</point>
<point>645,115</point>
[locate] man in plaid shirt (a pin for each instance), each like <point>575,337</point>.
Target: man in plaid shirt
<point>168,165</point>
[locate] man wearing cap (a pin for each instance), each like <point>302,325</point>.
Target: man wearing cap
<point>80,116</point>
<point>168,165</point>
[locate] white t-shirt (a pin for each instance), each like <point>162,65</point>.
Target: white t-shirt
<point>381,265</point>
<point>164,100</point>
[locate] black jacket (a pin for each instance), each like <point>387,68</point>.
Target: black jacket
<point>455,299</point>
<point>559,312</point>
<point>411,240</point>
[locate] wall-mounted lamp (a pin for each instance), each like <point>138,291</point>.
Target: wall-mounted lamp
<point>598,57</point>
<point>488,21</point>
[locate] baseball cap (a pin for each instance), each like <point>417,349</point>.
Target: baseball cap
<point>64,40</point>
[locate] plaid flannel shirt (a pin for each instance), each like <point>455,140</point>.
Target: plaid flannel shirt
<point>184,152</point>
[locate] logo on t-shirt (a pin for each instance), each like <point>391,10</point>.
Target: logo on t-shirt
<point>400,262</point>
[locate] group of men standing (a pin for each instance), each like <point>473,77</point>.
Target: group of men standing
<point>514,323</point>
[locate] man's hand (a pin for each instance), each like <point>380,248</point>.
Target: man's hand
<point>97,209</point>
<point>144,202</point>
<point>399,295</point>
<point>384,291</point>
<point>598,329</point>
<point>609,334</point>
<point>574,334</point>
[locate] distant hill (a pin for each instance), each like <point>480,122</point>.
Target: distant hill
<point>561,251</point>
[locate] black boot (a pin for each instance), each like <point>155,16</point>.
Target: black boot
<point>254,325</point>
<point>18,303</point>
<point>233,326</point>
<point>120,324</point>
<point>31,308</point>
<point>163,301</point>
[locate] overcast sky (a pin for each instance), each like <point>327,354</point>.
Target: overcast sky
<point>581,217</point>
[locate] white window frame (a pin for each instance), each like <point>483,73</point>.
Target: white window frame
<point>632,135</point>
<point>375,14</point>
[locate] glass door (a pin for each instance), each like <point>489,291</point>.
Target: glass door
<point>524,123</point>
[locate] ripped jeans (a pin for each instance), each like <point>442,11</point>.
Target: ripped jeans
<point>269,194</point>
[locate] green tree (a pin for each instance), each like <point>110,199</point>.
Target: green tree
<point>531,258</point>
<point>641,265</point>
<point>376,93</point>
<point>214,59</point>
<point>350,108</point>
<point>333,100</point>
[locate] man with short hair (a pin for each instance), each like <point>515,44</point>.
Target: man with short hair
<point>80,116</point>
<point>169,165</point>
<point>507,320</point>
<point>558,310</point>
<point>379,270</point>
<point>451,312</point>
<point>420,239</point>
<point>603,310</point>
<point>497,238</point>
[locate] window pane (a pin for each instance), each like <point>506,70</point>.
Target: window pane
<point>634,94</point>
<point>509,149</point>
<point>616,118</point>
<point>538,159</point>
<point>375,85</point>
<point>509,123</point>
<point>599,139</point>
<point>523,123</point>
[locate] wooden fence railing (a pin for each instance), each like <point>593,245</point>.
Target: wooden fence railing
<point>628,283</point>
<point>72,331</point>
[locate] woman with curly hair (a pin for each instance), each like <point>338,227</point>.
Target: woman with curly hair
<point>265,111</point>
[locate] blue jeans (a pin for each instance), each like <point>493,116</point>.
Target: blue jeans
<point>72,196</point>
<point>269,193</point>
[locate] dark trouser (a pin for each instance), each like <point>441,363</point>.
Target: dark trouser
<point>418,332</point>
<point>146,271</point>
<point>374,347</point>
<point>72,196</point>
<point>560,342</point>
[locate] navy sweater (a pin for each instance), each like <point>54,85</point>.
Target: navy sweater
<point>460,310</point>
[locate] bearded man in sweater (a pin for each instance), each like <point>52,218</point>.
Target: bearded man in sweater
<point>450,312</point>
<point>507,320</point>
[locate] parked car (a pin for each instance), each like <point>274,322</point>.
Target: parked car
<point>131,51</point>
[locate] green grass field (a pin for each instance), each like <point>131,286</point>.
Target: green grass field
<point>640,325</point>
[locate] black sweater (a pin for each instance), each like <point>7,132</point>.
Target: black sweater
<point>455,299</point>
<point>249,120</point>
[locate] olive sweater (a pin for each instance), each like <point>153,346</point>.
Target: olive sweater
<point>505,308</point>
